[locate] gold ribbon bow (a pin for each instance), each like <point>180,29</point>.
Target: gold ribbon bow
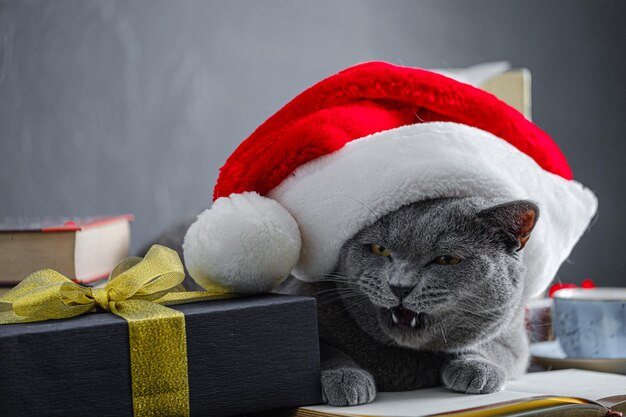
<point>137,290</point>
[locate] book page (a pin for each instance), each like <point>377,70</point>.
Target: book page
<point>569,383</point>
<point>422,402</point>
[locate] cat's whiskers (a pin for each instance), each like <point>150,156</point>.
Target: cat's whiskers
<point>434,293</point>
<point>431,302</point>
<point>496,309</point>
<point>472,324</point>
<point>484,315</point>
<point>335,274</point>
<point>338,278</point>
<point>330,297</point>
<point>490,328</point>
<point>432,297</point>
<point>365,299</point>
<point>472,317</point>
<point>335,290</point>
<point>443,334</point>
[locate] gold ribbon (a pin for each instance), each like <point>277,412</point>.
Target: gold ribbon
<point>137,290</point>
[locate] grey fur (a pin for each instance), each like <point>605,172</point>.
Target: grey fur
<point>472,338</point>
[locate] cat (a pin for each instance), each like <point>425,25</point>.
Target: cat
<point>430,294</point>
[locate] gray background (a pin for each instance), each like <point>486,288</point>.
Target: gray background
<point>111,106</point>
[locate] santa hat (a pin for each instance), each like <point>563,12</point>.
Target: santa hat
<point>361,144</point>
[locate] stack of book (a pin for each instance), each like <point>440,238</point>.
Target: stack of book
<point>85,250</point>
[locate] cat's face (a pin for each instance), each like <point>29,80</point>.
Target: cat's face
<point>440,275</point>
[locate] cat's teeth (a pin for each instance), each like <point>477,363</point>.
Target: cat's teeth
<point>394,318</point>
<point>414,321</point>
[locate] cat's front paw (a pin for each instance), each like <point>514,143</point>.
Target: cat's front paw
<point>473,376</point>
<point>347,386</point>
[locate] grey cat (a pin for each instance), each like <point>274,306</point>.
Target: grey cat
<point>430,294</point>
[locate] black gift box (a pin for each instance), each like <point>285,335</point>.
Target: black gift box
<point>244,355</point>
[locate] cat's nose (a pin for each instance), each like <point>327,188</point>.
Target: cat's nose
<point>401,292</point>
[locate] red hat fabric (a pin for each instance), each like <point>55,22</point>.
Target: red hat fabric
<point>366,99</point>
<point>361,144</point>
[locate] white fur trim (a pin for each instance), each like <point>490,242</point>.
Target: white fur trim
<point>333,197</point>
<point>245,242</point>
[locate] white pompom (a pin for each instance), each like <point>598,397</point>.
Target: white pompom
<point>245,242</point>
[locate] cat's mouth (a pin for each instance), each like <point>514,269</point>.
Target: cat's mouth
<point>400,316</point>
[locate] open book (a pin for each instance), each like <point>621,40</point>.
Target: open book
<point>554,393</point>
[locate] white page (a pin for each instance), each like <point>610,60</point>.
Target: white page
<point>421,403</point>
<point>570,383</point>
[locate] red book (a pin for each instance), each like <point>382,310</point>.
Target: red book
<point>82,249</point>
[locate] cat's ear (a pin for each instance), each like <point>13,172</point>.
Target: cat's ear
<point>516,219</point>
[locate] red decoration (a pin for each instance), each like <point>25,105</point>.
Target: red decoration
<point>587,284</point>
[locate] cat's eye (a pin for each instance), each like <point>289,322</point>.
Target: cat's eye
<point>447,260</point>
<point>380,250</point>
